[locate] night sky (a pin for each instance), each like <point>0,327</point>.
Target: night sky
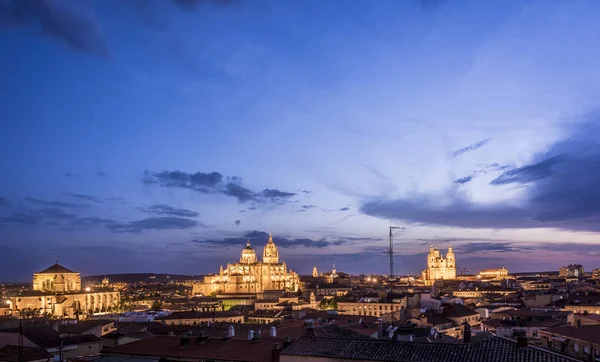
<point>160,135</point>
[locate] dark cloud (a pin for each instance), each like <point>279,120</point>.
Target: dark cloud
<point>237,222</point>
<point>464,180</point>
<point>154,223</point>
<point>530,173</point>
<point>55,217</point>
<point>252,208</point>
<point>472,147</point>
<point>55,19</point>
<point>55,203</point>
<point>215,182</point>
<point>301,210</point>
<point>346,208</point>
<point>306,192</point>
<point>189,5</point>
<point>83,197</point>
<point>4,202</point>
<point>562,190</point>
<point>307,207</point>
<point>169,210</point>
<point>259,238</point>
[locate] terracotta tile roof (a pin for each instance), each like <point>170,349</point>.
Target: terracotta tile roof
<point>493,349</point>
<point>457,311</point>
<point>56,268</point>
<point>194,314</point>
<point>11,354</point>
<point>169,347</point>
<point>584,333</point>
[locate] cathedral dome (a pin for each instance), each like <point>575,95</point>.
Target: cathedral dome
<point>270,253</point>
<point>248,254</point>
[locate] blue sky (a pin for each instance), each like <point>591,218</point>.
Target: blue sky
<point>157,136</point>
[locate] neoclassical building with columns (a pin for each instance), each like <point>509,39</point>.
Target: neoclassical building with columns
<point>438,266</point>
<point>57,291</point>
<point>250,275</point>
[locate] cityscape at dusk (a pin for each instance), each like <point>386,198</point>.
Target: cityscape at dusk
<point>290,181</point>
<point>159,136</point>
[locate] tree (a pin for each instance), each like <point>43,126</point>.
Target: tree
<point>328,304</point>
<point>156,305</point>
<point>123,305</point>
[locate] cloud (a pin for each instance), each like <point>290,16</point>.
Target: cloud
<point>562,190</point>
<point>169,210</point>
<point>55,203</point>
<point>214,182</point>
<point>472,147</point>
<point>4,202</point>
<point>237,222</point>
<point>68,174</point>
<point>307,207</point>
<point>54,217</point>
<point>464,180</point>
<point>306,192</point>
<point>100,174</point>
<point>346,208</point>
<point>528,173</point>
<point>85,197</point>
<point>189,5</point>
<point>154,223</point>
<point>259,238</point>
<point>56,19</point>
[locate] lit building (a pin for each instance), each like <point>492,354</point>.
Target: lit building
<point>250,275</point>
<point>493,273</point>
<point>57,291</point>
<point>573,270</point>
<point>438,267</point>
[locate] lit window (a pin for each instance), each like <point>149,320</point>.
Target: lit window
<point>586,349</point>
<point>576,347</point>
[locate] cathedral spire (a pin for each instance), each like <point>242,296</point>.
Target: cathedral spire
<point>270,238</point>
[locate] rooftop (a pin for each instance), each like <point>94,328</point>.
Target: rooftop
<point>584,333</point>
<point>11,354</point>
<point>213,348</point>
<point>493,349</point>
<point>57,268</point>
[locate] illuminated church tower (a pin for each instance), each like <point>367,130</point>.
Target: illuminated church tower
<point>438,267</point>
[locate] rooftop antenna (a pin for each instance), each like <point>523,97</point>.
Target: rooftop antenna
<point>390,252</point>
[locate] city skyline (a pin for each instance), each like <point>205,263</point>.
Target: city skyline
<point>159,136</point>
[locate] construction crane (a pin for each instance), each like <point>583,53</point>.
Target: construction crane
<point>390,252</point>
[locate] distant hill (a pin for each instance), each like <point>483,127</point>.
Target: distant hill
<point>141,277</point>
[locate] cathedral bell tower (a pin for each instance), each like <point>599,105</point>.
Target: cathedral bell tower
<point>270,253</point>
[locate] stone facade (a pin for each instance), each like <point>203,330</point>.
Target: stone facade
<point>57,291</point>
<point>250,275</point>
<point>438,266</point>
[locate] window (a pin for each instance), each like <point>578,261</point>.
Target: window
<point>576,347</point>
<point>586,349</point>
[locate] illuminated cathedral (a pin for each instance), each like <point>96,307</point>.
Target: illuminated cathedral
<point>250,275</point>
<point>438,267</point>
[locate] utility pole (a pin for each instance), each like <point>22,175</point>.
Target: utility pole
<point>21,357</point>
<point>390,252</point>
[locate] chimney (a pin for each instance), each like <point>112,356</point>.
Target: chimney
<point>287,341</point>
<point>273,332</point>
<point>522,341</point>
<point>231,331</point>
<point>275,353</point>
<point>467,333</point>
<point>250,335</point>
<point>380,330</point>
